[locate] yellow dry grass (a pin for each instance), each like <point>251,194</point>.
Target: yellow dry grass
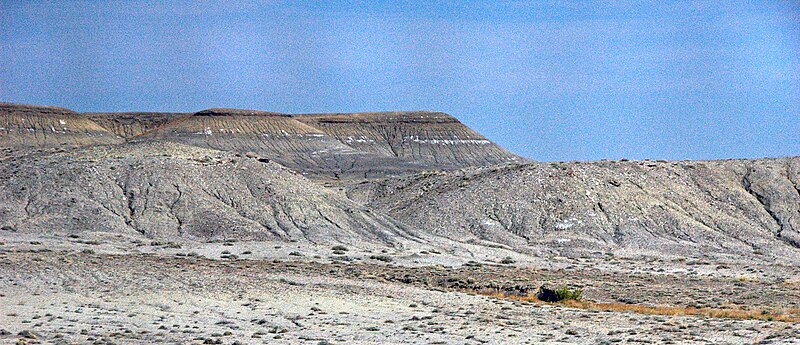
<point>783,315</point>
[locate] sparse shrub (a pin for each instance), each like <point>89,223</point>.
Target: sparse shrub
<point>295,254</point>
<point>339,252</point>
<point>383,258</point>
<point>507,261</point>
<point>473,264</point>
<point>561,294</point>
<point>339,248</point>
<point>565,293</point>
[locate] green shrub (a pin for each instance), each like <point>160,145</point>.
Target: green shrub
<point>565,293</point>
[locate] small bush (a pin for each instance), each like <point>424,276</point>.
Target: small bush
<point>507,261</point>
<point>565,293</point>
<point>383,258</point>
<point>339,248</point>
<point>473,264</point>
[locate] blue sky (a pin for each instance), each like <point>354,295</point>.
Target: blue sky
<point>550,80</point>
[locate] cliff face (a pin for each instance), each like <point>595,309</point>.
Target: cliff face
<point>39,126</point>
<point>736,207</point>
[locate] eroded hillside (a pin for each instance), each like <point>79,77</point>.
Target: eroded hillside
<point>173,191</point>
<point>735,207</point>
<point>249,174</point>
<point>133,124</point>
<point>41,126</point>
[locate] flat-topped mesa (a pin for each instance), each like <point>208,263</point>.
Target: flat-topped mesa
<point>339,145</point>
<point>364,145</point>
<point>24,125</point>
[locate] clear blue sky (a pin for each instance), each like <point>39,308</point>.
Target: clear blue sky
<point>550,80</point>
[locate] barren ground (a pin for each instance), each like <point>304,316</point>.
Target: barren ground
<point>107,292</point>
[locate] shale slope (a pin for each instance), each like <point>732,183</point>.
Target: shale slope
<point>173,191</point>
<point>738,208</point>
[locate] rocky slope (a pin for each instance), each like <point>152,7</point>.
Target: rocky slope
<point>40,126</point>
<point>735,207</point>
<point>172,191</point>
